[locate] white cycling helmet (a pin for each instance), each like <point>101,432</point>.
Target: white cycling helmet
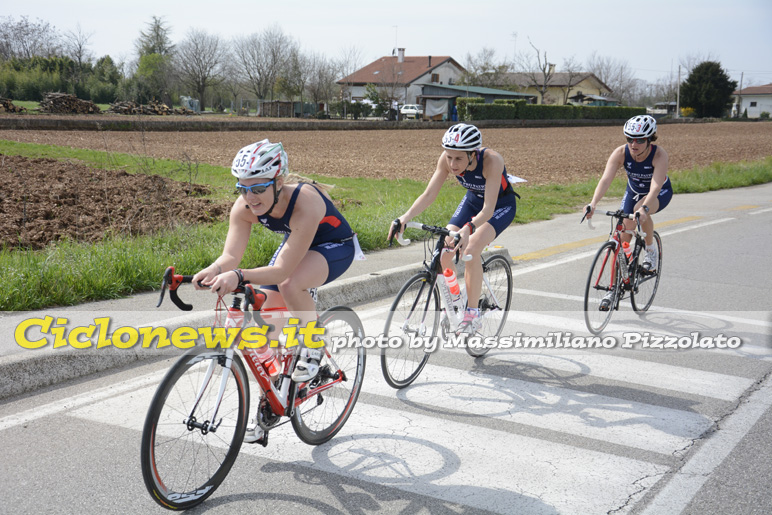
<point>462,137</point>
<point>261,160</point>
<point>643,126</point>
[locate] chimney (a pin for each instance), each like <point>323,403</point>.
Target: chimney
<point>400,55</point>
<point>430,62</point>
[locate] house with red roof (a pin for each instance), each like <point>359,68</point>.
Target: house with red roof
<point>401,76</point>
<point>756,99</point>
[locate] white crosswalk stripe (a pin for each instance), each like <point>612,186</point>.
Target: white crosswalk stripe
<point>458,423</point>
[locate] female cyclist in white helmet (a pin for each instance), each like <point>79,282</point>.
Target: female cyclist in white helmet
<point>648,186</point>
<point>485,211</point>
<point>318,245</point>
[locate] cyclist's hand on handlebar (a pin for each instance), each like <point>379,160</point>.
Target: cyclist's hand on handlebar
<point>395,229</point>
<point>203,279</point>
<point>224,283</point>
<point>641,214</point>
<point>589,210</point>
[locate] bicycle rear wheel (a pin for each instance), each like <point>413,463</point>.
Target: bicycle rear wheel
<point>415,313</point>
<point>604,278</point>
<point>495,299</point>
<point>322,415</point>
<point>646,282</point>
<point>185,454</point>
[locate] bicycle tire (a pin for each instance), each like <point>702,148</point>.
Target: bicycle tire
<point>646,282</point>
<point>183,466</point>
<point>402,365</point>
<point>495,300</point>
<point>599,283</point>
<point>321,416</point>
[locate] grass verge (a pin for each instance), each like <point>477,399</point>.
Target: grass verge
<point>70,272</point>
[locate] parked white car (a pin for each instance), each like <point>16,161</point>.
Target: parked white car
<point>411,111</point>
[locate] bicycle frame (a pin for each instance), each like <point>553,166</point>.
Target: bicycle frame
<point>434,267</point>
<point>628,273</point>
<point>282,400</point>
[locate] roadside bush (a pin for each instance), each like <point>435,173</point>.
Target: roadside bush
<point>764,115</point>
<point>546,112</point>
<point>463,102</point>
<point>491,112</point>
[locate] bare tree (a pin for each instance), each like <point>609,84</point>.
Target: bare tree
<point>614,73</point>
<point>349,61</point>
<point>260,56</point>
<point>321,82</point>
<point>76,48</point>
<point>200,60</point>
<point>483,70</point>
<point>296,74</point>
<point>537,71</point>
<point>573,74</point>
<point>25,39</point>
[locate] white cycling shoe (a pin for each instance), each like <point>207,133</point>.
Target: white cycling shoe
<point>307,366</point>
<point>254,433</point>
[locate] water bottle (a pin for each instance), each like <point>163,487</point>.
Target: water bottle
<point>455,289</point>
<point>627,250</point>
<point>267,357</point>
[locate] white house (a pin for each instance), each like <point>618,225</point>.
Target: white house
<point>756,99</point>
<point>403,75</point>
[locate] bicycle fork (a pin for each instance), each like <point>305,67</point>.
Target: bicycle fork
<point>224,361</point>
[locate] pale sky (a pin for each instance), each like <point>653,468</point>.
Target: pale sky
<point>651,36</point>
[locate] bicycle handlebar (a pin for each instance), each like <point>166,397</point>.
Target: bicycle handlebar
<point>441,231</point>
<point>172,281</point>
<point>616,214</point>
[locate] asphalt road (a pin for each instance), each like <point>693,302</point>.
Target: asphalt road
<point>620,430</point>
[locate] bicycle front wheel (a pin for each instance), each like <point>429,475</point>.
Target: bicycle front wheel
<point>601,295</point>
<point>189,442</point>
<point>646,281</point>
<point>414,317</point>
<point>495,300</point>
<point>321,415</point>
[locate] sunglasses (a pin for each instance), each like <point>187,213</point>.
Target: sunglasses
<point>256,189</point>
<point>640,141</point>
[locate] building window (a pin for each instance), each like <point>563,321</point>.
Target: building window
<point>450,81</point>
<point>435,77</point>
<point>753,104</point>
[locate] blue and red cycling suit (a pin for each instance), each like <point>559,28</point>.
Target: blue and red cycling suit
<point>472,203</point>
<point>334,239</point>
<point>639,177</point>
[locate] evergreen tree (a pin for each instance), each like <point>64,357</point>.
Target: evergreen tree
<point>708,90</point>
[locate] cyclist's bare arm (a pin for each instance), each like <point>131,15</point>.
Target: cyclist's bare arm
<point>613,164</point>
<point>239,228</point>
<point>429,195</point>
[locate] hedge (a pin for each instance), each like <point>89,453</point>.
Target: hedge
<point>520,110</point>
<point>463,102</point>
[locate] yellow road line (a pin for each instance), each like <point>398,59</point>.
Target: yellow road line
<point>564,247</point>
<point>741,208</point>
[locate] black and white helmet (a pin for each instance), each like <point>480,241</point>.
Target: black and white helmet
<point>643,126</point>
<point>462,137</point>
<point>261,160</point>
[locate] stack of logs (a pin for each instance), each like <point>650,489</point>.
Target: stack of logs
<point>6,106</point>
<point>153,108</point>
<point>63,103</point>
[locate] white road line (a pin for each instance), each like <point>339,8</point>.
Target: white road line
<point>444,459</point>
<point>535,268</point>
<point>60,406</point>
<point>599,417</point>
<point>760,211</point>
<point>689,479</point>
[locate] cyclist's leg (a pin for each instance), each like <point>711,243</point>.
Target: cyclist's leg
<point>481,238</point>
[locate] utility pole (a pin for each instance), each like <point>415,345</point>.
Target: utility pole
<point>678,95</point>
<point>740,97</point>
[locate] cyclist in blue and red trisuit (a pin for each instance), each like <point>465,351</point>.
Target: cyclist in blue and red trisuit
<point>318,245</point>
<point>648,186</point>
<point>485,211</point>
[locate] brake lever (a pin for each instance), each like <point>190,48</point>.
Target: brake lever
<point>172,281</point>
